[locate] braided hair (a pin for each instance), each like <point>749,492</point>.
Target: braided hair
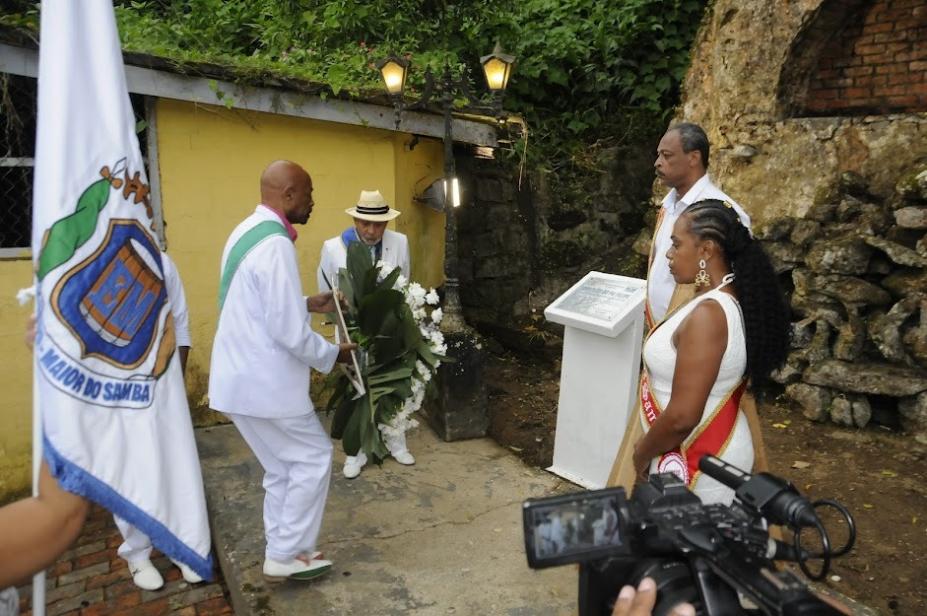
<point>766,316</point>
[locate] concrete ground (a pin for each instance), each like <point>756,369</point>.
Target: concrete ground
<point>441,537</point>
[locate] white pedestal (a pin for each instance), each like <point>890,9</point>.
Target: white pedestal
<point>604,319</point>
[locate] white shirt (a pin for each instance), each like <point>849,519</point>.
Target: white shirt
<point>264,344</point>
<point>660,282</point>
<point>178,301</point>
<point>395,253</point>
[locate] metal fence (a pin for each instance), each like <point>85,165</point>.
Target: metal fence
<point>17,149</point>
<point>17,156</point>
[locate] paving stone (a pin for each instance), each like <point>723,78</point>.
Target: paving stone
<point>93,558</point>
<point>214,607</point>
<point>66,591</point>
<point>195,595</point>
<point>168,589</point>
<point>82,574</point>
<point>82,600</point>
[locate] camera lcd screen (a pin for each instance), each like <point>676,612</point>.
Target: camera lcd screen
<point>564,529</point>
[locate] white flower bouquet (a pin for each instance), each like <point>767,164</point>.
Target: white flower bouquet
<point>395,325</point>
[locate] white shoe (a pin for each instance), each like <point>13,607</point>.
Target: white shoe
<point>145,575</point>
<point>399,451</point>
<point>403,457</point>
<point>295,569</point>
<point>189,575</point>
<point>354,464</point>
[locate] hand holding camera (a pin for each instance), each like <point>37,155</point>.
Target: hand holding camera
<point>640,602</point>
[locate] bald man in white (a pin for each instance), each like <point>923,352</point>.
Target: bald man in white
<point>261,357</point>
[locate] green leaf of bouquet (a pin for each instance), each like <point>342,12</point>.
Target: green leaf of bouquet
<point>351,437</point>
<point>402,389</point>
<point>390,279</point>
<point>388,345</point>
<point>386,377</point>
<point>378,392</point>
<point>424,351</point>
<point>405,360</point>
<point>342,416</point>
<point>338,393</point>
<point>373,309</point>
<point>370,281</point>
<point>372,443</point>
<point>369,432</point>
<point>359,262</point>
<point>347,288</point>
<point>388,412</point>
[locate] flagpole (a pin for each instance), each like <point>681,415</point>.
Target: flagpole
<point>38,580</point>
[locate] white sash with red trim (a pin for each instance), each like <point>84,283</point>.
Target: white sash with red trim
<point>711,436</point>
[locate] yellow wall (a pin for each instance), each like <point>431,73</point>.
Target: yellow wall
<point>15,381</point>
<point>416,169</point>
<point>211,159</point>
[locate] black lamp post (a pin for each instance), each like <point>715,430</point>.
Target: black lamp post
<point>497,68</point>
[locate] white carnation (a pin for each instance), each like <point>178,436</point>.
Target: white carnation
<point>432,298</point>
<point>437,315</point>
<point>417,293</point>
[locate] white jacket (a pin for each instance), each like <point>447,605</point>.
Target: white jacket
<point>660,282</point>
<point>264,344</point>
<point>335,255</point>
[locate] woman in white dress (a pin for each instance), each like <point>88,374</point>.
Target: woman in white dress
<point>698,360</point>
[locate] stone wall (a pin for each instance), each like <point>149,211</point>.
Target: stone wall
<point>521,246</point>
<point>751,68</point>
<point>856,269</point>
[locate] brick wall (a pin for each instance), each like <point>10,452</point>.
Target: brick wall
<point>878,64</point>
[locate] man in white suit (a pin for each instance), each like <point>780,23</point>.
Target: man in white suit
<point>371,215</point>
<point>259,376</point>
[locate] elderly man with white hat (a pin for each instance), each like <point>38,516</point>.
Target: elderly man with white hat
<point>371,215</point>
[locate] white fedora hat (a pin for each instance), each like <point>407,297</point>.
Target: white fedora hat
<point>372,206</point>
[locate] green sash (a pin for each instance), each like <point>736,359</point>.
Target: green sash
<point>240,250</point>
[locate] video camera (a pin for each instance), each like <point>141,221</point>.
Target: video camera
<point>718,558</point>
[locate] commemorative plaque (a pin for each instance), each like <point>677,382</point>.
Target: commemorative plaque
<point>604,319</point>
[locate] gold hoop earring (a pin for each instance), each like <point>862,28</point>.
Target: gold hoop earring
<point>702,279</point>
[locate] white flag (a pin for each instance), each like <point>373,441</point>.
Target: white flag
<point>110,390</point>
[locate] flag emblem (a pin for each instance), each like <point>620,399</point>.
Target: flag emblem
<point>112,300</point>
<point>108,291</point>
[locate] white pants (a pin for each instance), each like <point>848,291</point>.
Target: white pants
<point>296,454</point>
<point>136,546</point>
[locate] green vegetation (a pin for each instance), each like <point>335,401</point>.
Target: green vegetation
<point>588,72</point>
